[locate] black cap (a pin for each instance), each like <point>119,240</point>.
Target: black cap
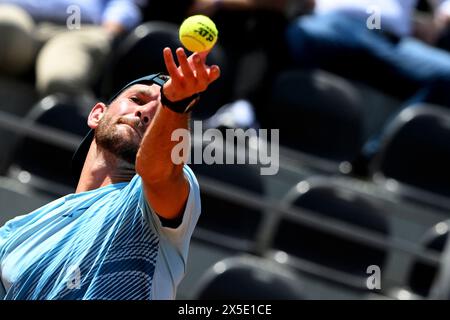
<point>80,154</point>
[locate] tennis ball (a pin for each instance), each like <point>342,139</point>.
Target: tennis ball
<point>198,33</point>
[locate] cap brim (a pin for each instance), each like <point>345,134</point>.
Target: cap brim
<point>80,155</point>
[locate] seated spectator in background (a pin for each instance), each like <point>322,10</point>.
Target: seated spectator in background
<point>68,40</point>
<point>370,41</point>
<point>246,25</point>
<point>344,37</point>
<point>243,30</point>
<point>435,29</point>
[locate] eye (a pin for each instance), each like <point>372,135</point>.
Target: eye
<point>137,100</point>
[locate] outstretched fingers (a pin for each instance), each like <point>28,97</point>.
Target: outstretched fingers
<point>171,66</point>
<point>201,71</point>
<point>191,76</point>
<point>186,68</point>
<point>214,73</point>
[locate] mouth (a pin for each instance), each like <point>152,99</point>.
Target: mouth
<point>131,125</point>
<point>135,130</point>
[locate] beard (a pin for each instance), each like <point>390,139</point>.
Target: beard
<point>109,137</point>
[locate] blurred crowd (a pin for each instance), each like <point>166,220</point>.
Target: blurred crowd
<point>397,46</point>
<point>269,51</point>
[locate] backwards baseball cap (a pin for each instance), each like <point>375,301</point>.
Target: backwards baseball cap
<point>80,154</point>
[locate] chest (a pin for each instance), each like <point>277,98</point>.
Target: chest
<point>78,252</point>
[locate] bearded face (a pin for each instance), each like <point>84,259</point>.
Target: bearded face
<point>119,135</point>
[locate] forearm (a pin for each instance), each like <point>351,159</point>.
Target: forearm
<point>154,160</point>
<point>164,184</point>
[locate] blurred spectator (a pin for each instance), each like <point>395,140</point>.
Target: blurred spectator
<point>442,14</point>
<point>370,40</point>
<point>432,23</point>
<point>442,20</point>
<point>67,39</point>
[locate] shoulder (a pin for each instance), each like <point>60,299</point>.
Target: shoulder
<point>135,185</point>
<point>190,176</point>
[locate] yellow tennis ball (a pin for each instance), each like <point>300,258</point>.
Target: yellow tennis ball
<point>198,33</point>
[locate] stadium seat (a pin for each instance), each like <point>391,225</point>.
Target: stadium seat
<point>16,98</point>
<point>223,216</point>
<point>317,113</point>
<point>47,166</point>
<point>139,54</point>
<point>248,278</point>
<point>349,256</point>
<point>17,199</point>
<point>415,150</point>
<point>422,274</point>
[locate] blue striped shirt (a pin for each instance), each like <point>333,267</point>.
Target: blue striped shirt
<point>105,243</point>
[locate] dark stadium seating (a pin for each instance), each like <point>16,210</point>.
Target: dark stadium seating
<point>139,54</point>
<point>423,273</point>
<point>415,150</point>
<point>16,98</point>
<point>49,166</point>
<point>170,10</point>
<point>223,216</point>
<point>349,256</point>
<point>317,113</point>
<point>248,278</point>
<point>444,40</point>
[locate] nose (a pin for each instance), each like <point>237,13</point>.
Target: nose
<point>144,118</point>
<point>146,112</point>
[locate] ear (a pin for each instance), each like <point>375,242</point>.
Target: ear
<point>96,114</point>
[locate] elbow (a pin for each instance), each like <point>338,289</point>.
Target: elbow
<point>156,170</point>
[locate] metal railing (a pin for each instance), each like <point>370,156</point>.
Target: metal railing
<point>244,198</point>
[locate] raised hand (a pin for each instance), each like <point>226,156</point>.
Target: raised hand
<point>190,77</point>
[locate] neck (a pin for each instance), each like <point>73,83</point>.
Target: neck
<point>102,168</point>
